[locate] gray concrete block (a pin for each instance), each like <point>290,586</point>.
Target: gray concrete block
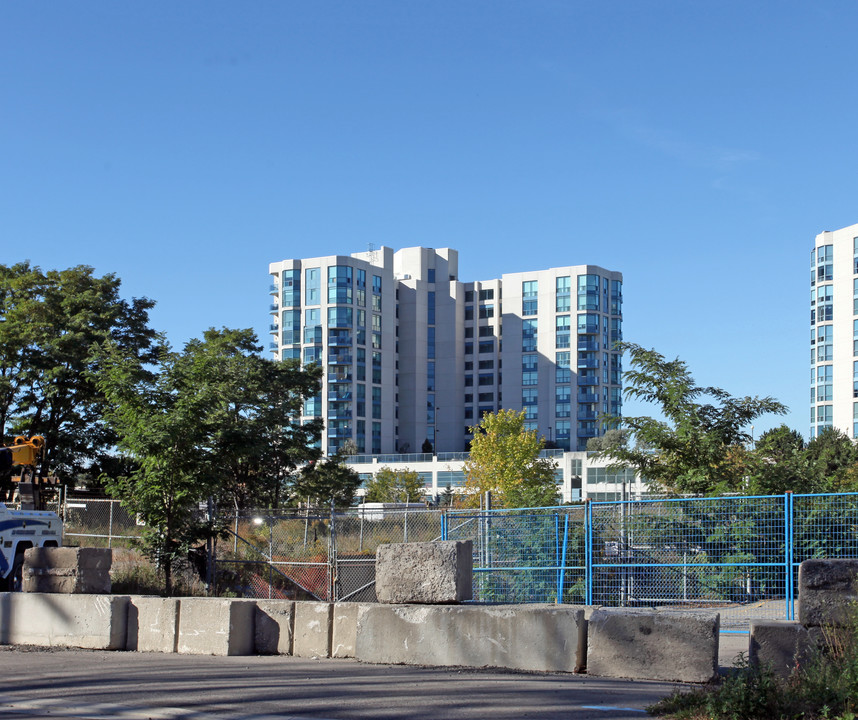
<point>67,570</point>
<point>274,622</point>
<point>430,572</point>
<point>96,622</point>
<point>153,624</point>
<point>344,629</point>
<point>643,644</point>
<point>216,626</point>
<point>69,557</point>
<point>313,629</point>
<point>548,638</point>
<point>781,645</point>
<point>827,592</point>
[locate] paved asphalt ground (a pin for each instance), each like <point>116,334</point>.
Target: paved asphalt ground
<point>61,683</point>
<point>138,686</point>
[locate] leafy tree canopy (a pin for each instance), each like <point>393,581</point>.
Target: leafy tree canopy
<point>51,324</point>
<point>215,420</point>
<point>504,459</point>
<point>394,486</point>
<point>327,481</point>
<point>699,447</point>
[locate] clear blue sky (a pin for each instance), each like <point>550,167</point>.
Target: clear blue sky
<point>697,147</point>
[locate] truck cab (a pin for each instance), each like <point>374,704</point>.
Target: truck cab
<point>22,529</point>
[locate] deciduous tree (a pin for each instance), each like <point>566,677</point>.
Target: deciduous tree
<point>699,447</point>
<point>394,486</point>
<point>51,323</point>
<point>504,459</point>
<point>215,420</point>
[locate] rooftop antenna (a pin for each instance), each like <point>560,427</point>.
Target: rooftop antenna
<point>371,253</point>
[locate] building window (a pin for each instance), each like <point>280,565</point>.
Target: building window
<point>487,294</point>
<point>562,333</point>
<point>529,370</point>
<point>563,372</point>
<point>563,293</point>
<point>529,297</point>
<point>290,326</point>
<point>486,311</point>
<point>340,285</point>
<point>588,292</point>
<point>312,286</point>
<point>291,296</point>
<point>528,335</point>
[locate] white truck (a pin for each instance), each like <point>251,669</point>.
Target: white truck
<point>22,529</point>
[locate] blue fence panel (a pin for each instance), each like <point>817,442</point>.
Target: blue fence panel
<point>534,555</point>
<point>737,555</point>
<point>724,554</point>
<point>823,526</point>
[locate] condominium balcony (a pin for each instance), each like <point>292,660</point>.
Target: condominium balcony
<point>588,415</point>
<point>273,307</point>
<point>340,359</point>
<point>588,362</point>
<point>273,289</point>
<point>588,380</point>
<point>338,378</point>
<point>587,344</point>
<point>587,397</point>
<point>274,328</point>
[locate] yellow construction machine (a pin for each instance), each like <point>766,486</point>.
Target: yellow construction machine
<point>26,453</point>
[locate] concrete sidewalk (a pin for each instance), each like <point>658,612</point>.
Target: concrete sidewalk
<point>134,686</point>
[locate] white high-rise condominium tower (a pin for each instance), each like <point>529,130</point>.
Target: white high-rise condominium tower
<point>834,331</point>
<point>411,355</point>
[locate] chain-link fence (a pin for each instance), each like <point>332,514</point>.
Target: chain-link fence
<point>534,555</point>
<point>308,555</point>
<point>737,555</point>
<point>97,522</point>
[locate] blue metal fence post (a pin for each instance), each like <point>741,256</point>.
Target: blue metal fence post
<point>588,552</point>
<point>788,555</point>
<point>560,574</point>
<point>444,526</point>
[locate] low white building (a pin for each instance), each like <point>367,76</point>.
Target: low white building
<point>580,475</point>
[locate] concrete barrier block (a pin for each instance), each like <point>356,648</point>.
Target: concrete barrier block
<point>430,572</point>
<point>781,645</point>
<point>216,626</point>
<point>273,626</point>
<point>153,624</point>
<point>344,629</point>
<point>67,570</point>
<point>96,622</point>
<point>548,638</point>
<point>313,629</point>
<point>827,592</point>
<point>648,645</point>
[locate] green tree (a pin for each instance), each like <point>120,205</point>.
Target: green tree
<point>394,486</point>
<point>781,463</point>
<point>831,459</point>
<point>504,459</point>
<point>258,439</point>
<point>215,420</point>
<point>699,447</point>
<point>612,437</point>
<point>51,323</point>
<point>327,481</point>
